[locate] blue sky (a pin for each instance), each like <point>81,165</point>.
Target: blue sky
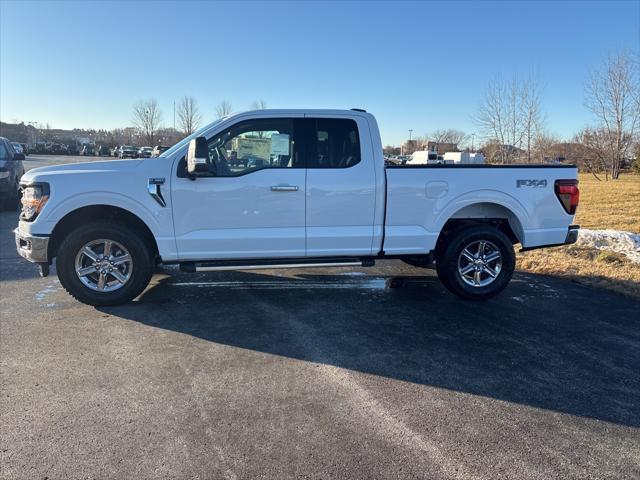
<point>418,65</point>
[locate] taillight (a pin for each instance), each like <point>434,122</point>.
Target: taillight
<point>568,194</point>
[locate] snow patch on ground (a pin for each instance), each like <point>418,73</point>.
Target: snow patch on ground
<point>44,293</point>
<point>626,243</point>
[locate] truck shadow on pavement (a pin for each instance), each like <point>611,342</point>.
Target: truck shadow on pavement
<point>544,343</point>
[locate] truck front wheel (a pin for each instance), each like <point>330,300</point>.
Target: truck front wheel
<point>477,262</point>
<point>104,263</point>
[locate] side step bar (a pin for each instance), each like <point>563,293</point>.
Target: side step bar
<point>264,264</point>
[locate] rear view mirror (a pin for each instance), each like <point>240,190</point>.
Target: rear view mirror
<point>198,156</point>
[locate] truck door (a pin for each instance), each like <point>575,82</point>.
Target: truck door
<point>253,203</point>
<point>341,187</point>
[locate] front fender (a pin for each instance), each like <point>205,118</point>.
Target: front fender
<point>52,214</point>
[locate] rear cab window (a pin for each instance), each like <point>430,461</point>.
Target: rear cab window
<point>333,143</point>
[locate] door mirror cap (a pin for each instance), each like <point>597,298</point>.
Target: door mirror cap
<point>198,156</point>
<point>18,156</point>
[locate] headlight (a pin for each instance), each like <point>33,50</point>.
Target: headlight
<point>34,198</point>
<point>4,174</point>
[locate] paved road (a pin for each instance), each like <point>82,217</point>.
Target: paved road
<point>34,161</point>
<point>377,373</point>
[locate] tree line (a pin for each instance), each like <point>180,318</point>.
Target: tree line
<point>511,114</point>
<point>148,118</point>
<point>513,127</point>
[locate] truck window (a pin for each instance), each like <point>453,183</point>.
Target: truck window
<point>335,144</point>
<point>254,145</point>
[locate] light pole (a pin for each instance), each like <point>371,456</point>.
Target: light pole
<point>410,132</point>
<point>473,137</point>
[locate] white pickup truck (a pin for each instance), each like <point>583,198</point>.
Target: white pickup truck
<point>287,188</point>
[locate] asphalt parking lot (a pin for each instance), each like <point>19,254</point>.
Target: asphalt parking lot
<point>372,373</point>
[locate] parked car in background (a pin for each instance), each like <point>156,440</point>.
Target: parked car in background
<point>56,149</point>
<point>25,149</point>
<point>115,151</point>
<point>145,152</point>
<point>158,149</point>
<point>127,151</point>
<point>11,169</point>
<point>88,150</point>
<point>17,147</point>
<point>103,151</point>
<point>41,147</point>
<point>72,149</point>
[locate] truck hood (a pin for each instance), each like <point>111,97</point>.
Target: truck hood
<point>43,174</point>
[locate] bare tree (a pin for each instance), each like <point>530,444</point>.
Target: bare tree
<point>189,117</point>
<point>450,135</point>
<point>223,109</point>
<point>531,115</point>
<point>613,96</point>
<point>259,104</point>
<point>147,118</point>
<point>492,117</point>
<point>597,150</point>
<point>511,115</point>
<point>422,142</point>
<point>547,147</point>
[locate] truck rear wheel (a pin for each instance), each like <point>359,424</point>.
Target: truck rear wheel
<point>477,263</point>
<point>104,264</point>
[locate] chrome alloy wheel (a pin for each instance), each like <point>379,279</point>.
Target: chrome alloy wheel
<point>104,265</point>
<point>479,263</point>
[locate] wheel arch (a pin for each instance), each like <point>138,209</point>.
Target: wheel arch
<point>90,213</point>
<point>481,213</point>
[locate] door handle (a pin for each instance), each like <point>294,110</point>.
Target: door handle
<point>284,188</point>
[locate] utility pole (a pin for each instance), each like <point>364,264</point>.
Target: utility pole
<point>473,137</point>
<point>410,132</point>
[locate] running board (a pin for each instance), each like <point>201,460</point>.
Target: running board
<point>222,265</point>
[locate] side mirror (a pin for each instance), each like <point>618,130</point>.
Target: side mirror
<point>18,156</point>
<point>198,157</point>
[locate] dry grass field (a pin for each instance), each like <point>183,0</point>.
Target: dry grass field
<point>612,204</point>
<point>603,205</point>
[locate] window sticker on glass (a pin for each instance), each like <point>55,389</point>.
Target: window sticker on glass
<point>253,148</point>
<point>280,144</point>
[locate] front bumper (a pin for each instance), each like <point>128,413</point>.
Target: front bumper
<point>33,248</point>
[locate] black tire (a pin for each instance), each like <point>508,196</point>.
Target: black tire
<point>139,251</point>
<point>449,256</point>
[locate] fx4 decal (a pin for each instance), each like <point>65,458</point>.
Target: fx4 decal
<point>531,183</point>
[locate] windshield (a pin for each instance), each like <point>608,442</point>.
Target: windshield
<point>184,141</point>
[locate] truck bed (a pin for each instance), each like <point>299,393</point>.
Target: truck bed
<point>422,198</point>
